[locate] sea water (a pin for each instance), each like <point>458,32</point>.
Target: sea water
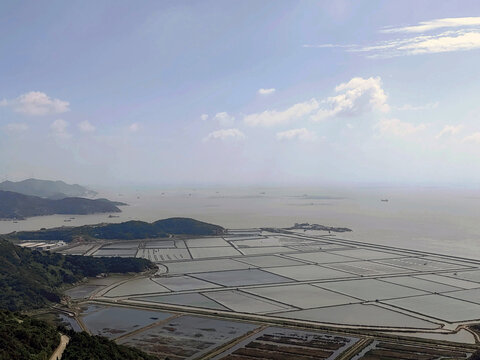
<point>439,220</point>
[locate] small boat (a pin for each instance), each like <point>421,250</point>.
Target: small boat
<point>384,200</point>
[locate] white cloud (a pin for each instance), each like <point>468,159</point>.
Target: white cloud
<point>204,117</point>
<point>429,25</point>
<point>37,103</point>
<point>134,127</point>
<point>225,134</point>
<point>358,96</point>
<point>475,137</point>
<point>224,119</point>
<point>86,126</point>
<point>445,42</point>
<point>397,128</point>
<point>3,102</point>
<point>449,130</point>
<point>266,91</point>
<point>449,41</point>
<point>452,34</point>
<point>16,127</point>
<point>408,107</point>
<point>59,129</point>
<point>273,117</point>
<point>297,134</point>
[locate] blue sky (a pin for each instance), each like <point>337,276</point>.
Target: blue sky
<point>240,92</point>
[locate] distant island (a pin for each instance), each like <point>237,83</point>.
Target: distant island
<point>19,206</point>
<point>307,226</point>
<point>46,189</point>
<point>128,230</point>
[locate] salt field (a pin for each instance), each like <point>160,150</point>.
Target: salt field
<point>304,279</point>
<point>400,288</point>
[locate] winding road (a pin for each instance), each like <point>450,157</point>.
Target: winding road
<point>57,354</point>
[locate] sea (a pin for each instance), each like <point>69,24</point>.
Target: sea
<point>433,219</point>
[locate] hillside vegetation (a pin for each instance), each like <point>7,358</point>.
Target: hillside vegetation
<point>31,279</point>
<point>22,337</point>
<point>125,231</point>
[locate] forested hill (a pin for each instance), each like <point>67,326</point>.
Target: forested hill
<point>125,231</point>
<point>19,206</point>
<point>32,279</point>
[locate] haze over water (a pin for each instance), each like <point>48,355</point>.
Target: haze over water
<point>431,219</point>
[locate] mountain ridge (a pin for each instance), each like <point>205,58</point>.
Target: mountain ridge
<point>52,189</point>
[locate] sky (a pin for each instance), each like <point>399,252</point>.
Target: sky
<point>240,92</point>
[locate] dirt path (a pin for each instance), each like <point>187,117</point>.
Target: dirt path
<point>57,354</point>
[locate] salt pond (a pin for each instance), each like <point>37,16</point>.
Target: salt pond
<point>115,321</point>
<point>242,277</point>
<point>190,299</point>
<point>359,314</point>
<point>187,337</point>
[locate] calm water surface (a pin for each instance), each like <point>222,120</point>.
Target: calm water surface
<point>433,219</point>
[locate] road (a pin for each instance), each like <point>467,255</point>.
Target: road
<point>57,354</point>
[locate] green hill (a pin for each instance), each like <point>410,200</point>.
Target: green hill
<point>32,279</point>
<point>124,231</point>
